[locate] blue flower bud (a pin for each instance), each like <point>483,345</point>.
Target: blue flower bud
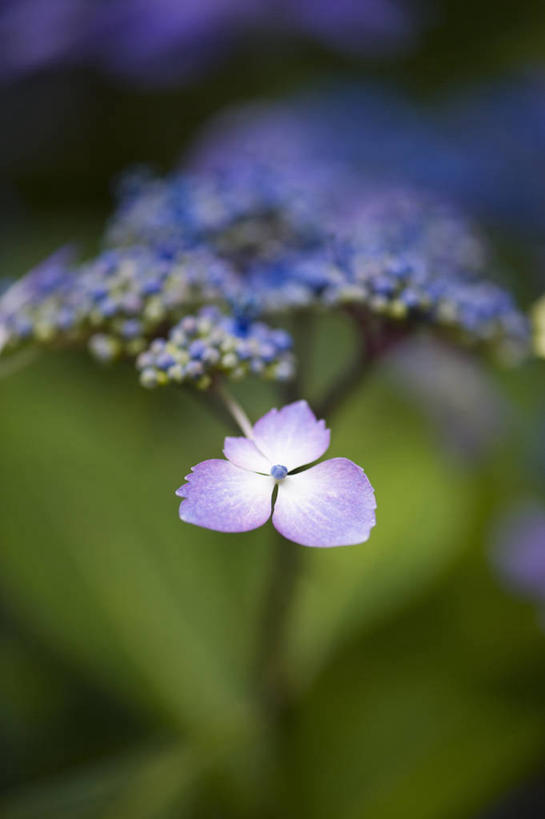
<point>279,472</point>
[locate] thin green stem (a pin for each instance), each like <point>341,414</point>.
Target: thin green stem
<point>234,409</point>
<point>271,673</point>
<point>214,406</point>
<point>287,558</point>
<point>279,596</point>
<point>375,339</point>
<point>303,335</point>
<point>345,384</point>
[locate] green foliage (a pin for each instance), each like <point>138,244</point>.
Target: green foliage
<point>106,569</point>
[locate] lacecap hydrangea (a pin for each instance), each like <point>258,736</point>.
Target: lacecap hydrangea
<point>258,241</point>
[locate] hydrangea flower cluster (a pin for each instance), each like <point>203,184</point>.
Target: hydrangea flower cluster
<point>115,302</point>
<point>400,253</point>
<point>248,211</point>
<point>260,238</point>
<point>408,256</point>
<point>211,343</point>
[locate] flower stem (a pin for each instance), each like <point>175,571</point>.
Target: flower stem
<point>234,409</point>
<point>285,567</point>
<point>271,677</point>
<point>343,386</point>
<point>374,340</point>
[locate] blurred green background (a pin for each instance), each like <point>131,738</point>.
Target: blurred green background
<point>127,639</point>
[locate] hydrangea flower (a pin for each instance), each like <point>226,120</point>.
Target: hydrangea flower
<point>329,504</point>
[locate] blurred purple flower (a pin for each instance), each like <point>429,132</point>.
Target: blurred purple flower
<point>519,550</point>
<point>497,131</point>
<point>37,34</point>
<point>352,25</point>
<point>483,150</point>
<point>330,504</point>
<point>458,395</point>
<point>169,39</point>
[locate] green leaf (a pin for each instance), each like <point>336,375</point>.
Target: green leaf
<point>425,717</point>
<point>144,784</point>
<point>95,558</point>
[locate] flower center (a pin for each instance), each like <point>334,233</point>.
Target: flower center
<point>279,472</point>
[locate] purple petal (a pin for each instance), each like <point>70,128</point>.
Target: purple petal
<point>224,497</point>
<point>244,453</point>
<point>331,504</point>
<point>291,436</point>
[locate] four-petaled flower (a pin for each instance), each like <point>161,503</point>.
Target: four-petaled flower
<point>330,504</point>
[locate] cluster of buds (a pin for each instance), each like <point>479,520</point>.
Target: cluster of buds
<point>254,235</point>
<point>211,343</point>
<point>405,257</point>
<point>246,213</point>
<point>116,302</point>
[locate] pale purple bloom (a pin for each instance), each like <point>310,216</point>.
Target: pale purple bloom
<point>330,504</point>
<point>519,550</point>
